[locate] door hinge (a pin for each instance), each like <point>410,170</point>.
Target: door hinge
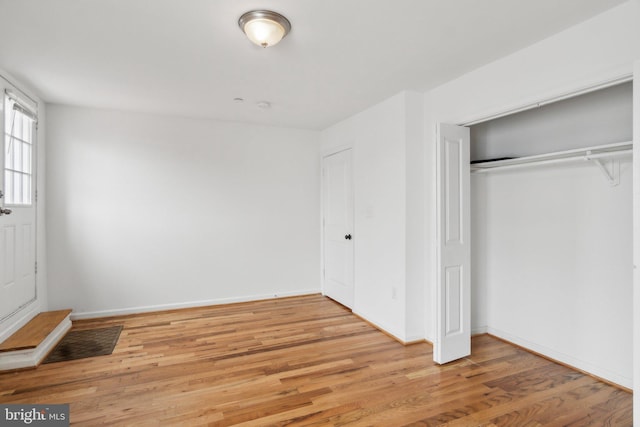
<point>35,195</point>
<point>36,268</point>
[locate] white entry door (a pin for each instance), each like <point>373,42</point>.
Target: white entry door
<point>337,219</point>
<point>18,213</point>
<point>453,324</point>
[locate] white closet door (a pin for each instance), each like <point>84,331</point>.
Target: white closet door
<point>453,323</point>
<point>338,227</point>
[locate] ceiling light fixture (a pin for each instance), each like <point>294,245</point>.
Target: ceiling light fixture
<point>264,27</point>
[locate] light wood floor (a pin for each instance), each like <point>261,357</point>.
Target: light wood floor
<point>306,361</point>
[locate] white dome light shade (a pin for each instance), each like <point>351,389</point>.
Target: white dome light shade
<point>263,27</point>
<point>264,32</point>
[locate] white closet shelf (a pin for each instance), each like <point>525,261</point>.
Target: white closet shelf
<point>595,153</point>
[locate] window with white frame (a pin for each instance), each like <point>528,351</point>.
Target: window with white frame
<point>19,133</point>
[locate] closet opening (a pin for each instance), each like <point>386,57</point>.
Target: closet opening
<point>551,231</point>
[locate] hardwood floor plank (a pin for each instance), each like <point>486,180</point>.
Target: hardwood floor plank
<point>305,361</point>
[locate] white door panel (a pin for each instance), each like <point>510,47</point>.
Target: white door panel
<point>453,317</point>
<point>337,218</point>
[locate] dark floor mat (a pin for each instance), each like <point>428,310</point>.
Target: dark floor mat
<point>85,343</point>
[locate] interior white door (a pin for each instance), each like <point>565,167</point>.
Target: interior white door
<point>17,209</point>
<point>337,219</point>
<point>453,322</point>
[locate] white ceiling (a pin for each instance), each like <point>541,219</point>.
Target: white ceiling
<point>189,58</point>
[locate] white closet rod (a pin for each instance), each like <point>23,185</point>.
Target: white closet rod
<point>554,161</point>
<point>585,154</point>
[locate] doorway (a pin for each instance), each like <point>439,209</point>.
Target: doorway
<point>552,248</point>
<point>337,227</point>
<point>17,204</point>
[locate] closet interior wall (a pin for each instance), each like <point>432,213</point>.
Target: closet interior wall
<point>552,244</point>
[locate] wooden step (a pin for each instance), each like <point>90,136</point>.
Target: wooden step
<point>34,332</point>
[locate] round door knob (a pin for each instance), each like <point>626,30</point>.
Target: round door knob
<point>348,237</point>
<point>5,211</point>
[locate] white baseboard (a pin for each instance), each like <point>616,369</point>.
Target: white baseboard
<point>415,338</point>
<point>188,304</point>
<point>32,357</point>
<point>598,371</point>
<point>384,328</point>
<point>479,330</point>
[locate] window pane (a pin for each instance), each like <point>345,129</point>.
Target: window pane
<point>17,188</point>
<point>19,131</point>
<point>8,187</point>
<point>26,128</point>
<point>26,158</point>
<point>17,154</point>
<point>26,189</point>
<point>8,152</point>
<point>17,127</point>
<point>14,124</point>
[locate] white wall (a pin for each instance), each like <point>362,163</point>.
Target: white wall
<point>597,50</point>
<point>380,215</point>
<point>387,265</point>
<point>415,225</point>
<point>151,212</point>
<point>553,252</point>
<point>19,319</point>
<point>592,119</point>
